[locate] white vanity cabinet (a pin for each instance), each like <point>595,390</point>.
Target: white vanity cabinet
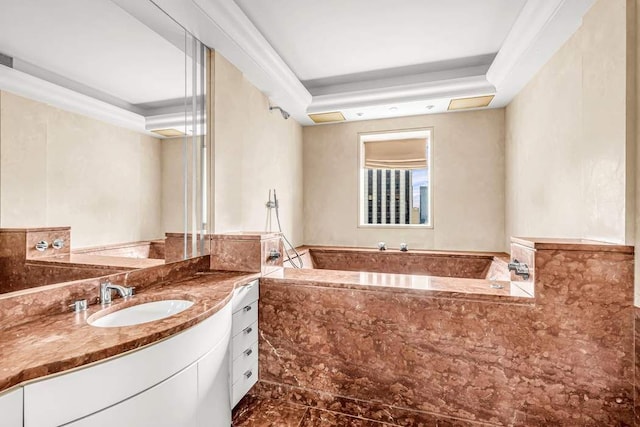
<point>181,381</point>
<point>11,408</point>
<point>244,342</point>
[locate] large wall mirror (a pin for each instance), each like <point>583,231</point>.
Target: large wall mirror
<point>102,123</point>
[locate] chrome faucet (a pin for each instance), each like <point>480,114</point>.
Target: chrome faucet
<point>107,287</point>
<point>520,268</point>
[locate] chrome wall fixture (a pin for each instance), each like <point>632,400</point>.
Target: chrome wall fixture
<point>285,115</point>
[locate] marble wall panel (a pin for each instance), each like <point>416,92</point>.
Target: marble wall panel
<point>565,360</point>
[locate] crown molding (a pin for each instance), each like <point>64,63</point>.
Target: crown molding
<point>221,25</point>
<point>542,27</point>
<point>25,85</point>
<point>533,18</point>
<point>538,32</point>
<point>452,88</point>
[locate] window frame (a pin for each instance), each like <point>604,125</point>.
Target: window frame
<point>361,138</point>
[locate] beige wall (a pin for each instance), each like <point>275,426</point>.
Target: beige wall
<point>63,169</point>
<point>568,171</point>
<point>468,183</point>
<point>254,150</point>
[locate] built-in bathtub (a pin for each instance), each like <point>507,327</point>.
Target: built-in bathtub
<point>470,265</point>
<point>430,338</point>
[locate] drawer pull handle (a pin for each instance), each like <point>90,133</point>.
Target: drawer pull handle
<point>248,352</point>
<point>248,374</point>
<point>248,330</point>
<point>247,308</point>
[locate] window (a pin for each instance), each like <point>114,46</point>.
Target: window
<point>395,178</point>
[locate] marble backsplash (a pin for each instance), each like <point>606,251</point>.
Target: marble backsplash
<point>20,266</point>
<point>566,359</point>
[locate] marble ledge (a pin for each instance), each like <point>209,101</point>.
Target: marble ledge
<point>32,229</point>
<point>546,243</point>
<point>56,343</point>
<point>420,252</point>
<point>245,235</point>
<point>432,286</point>
<point>96,261</point>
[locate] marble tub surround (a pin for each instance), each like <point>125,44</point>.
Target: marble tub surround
<point>637,365</point>
<point>153,249</point>
<point>565,358</point>
<point>476,265</point>
<point>174,246</point>
<point>56,343</point>
<point>246,251</point>
<point>446,287</point>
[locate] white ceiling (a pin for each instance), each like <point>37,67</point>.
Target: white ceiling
<point>366,58</point>
<point>369,56</point>
<point>92,46</point>
<point>330,38</point>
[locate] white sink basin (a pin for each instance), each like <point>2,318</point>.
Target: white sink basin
<point>141,313</point>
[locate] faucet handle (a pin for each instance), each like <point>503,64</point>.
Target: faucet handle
<point>105,292</point>
<point>382,246</point>
<point>79,305</point>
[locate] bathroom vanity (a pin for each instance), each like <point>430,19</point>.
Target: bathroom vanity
<point>243,350</point>
<point>64,369</point>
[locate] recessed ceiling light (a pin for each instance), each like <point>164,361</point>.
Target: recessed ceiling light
<point>334,116</point>
<point>474,102</point>
<point>393,109</point>
<point>429,107</point>
<point>359,114</point>
<point>168,132</point>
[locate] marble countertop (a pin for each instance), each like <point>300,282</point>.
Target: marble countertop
<point>446,287</point>
<point>57,343</point>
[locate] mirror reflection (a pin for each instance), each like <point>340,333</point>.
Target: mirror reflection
<point>102,138</point>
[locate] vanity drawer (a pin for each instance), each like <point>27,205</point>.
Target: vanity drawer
<point>244,362</point>
<point>245,295</point>
<point>247,379</point>
<point>244,317</point>
<point>244,339</point>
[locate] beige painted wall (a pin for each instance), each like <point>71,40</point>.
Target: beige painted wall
<point>468,183</point>
<point>254,150</point>
<point>58,169</point>
<point>568,171</point>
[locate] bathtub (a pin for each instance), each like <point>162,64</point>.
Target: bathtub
<point>470,265</point>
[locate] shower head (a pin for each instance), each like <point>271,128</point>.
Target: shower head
<point>285,115</point>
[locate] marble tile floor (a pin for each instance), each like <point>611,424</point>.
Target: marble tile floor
<point>263,412</point>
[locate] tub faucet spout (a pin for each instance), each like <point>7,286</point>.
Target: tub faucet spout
<point>521,269</point>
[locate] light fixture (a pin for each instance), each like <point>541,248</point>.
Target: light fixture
<point>429,107</point>
<point>359,114</point>
<point>168,132</point>
<point>334,116</point>
<point>474,102</point>
<point>393,109</point>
